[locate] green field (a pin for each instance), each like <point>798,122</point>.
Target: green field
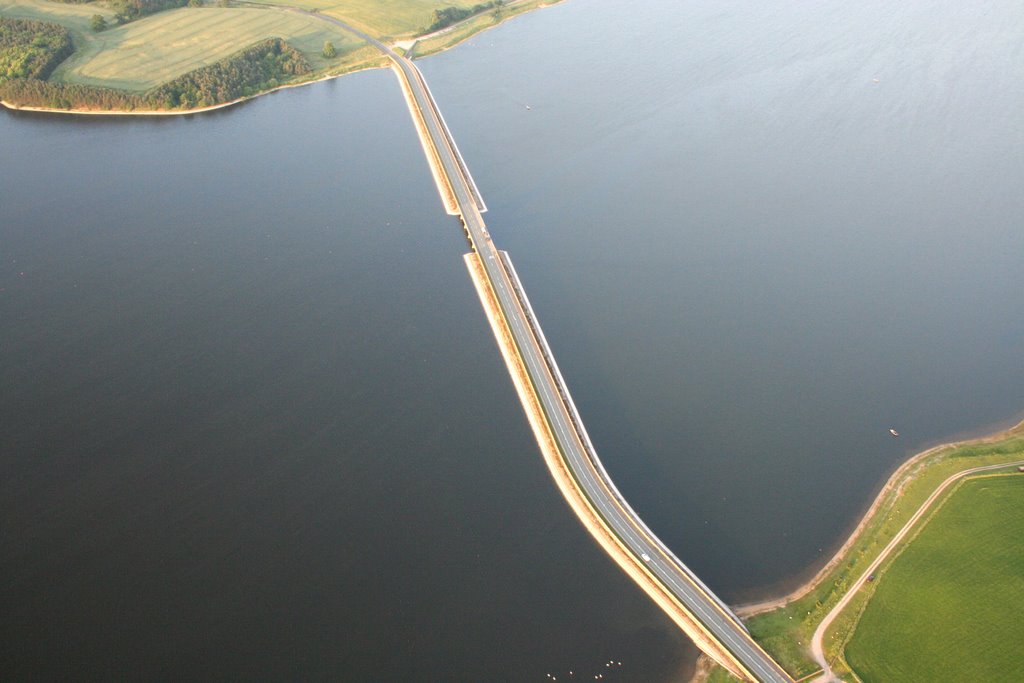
<point>786,632</point>
<point>74,16</point>
<point>380,18</point>
<point>950,606</point>
<point>155,49</point>
<point>150,51</point>
<point>145,53</point>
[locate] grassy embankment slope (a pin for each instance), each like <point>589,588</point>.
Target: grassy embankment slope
<point>949,607</point>
<point>155,49</point>
<point>786,631</point>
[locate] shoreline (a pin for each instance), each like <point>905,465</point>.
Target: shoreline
<point>891,550</point>
<point>897,480</point>
<point>902,478</point>
<point>181,112</point>
<point>411,42</point>
<point>409,45</point>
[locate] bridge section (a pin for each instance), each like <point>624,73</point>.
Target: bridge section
<point>559,430</point>
<point>556,423</point>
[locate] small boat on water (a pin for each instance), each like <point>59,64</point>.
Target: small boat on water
<point>894,432</point>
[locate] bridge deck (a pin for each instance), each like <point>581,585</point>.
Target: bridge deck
<point>701,614</point>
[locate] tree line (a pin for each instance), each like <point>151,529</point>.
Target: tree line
<point>126,10</point>
<point>32,49</point>
<point>259,67</point>
<point>447,16</point>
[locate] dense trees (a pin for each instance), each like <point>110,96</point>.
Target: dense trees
<point>30,92</point>
<point>258,67</point>
<point>97,23</point>
<point>31,49</point>
<point>133,9</point>
<point>449,15</point>
<point>264,65</point>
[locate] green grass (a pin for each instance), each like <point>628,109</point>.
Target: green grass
<point>786,632</point>
<point>379,18</point>
<point>74,16</point>
<point>473,25</point>
<point>950,607</point>
<point>720,675</point>
<point>145,53</point>
<point>150,51</point>
<point>153,50</point>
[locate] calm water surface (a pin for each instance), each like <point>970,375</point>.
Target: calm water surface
<point>757,239</point>
<point>254,424</point>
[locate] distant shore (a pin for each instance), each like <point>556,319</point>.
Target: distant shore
<point>180,112</point>
<point>451,36</point>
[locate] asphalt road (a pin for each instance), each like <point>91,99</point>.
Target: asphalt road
<point>565,423</point>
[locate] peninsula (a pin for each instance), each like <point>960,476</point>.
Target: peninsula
<point>166,57</point>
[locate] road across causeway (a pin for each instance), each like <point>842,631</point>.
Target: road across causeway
<point>714,618</point>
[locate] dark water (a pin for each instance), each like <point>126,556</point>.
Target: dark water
<point>751,258</point>
<point>255,426</point>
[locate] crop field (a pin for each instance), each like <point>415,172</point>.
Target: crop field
<point>147,52</point>
<point>949,607</point>
<point>150,51</point>
<point>786,631</point>
<point>74,16</point>
<point>391,18</point>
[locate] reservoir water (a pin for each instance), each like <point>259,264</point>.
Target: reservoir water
<point>255,425</point>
